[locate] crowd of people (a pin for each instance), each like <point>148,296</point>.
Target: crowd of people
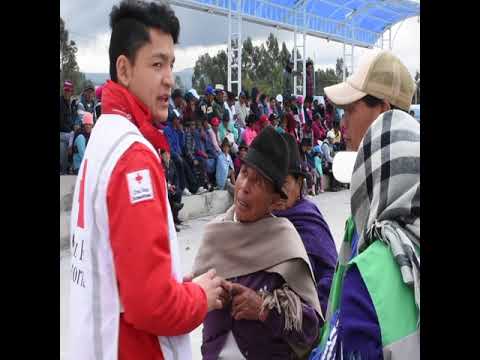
<point>209,135</point>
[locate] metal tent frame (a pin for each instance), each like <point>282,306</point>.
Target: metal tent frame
<point>355,23</point>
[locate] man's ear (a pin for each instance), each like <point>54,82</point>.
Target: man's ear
<point>124,70</point>
<point>385,106</point>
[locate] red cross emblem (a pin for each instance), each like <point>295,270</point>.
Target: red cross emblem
<point>139,178</point>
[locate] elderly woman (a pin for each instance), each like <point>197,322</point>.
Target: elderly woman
<point>310,224</point>
<point>273,311</point>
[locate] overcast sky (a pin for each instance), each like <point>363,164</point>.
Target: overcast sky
<point>88,25</point>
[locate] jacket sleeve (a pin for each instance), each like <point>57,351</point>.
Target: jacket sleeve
<point>359,327</point>
<point>152,299</point>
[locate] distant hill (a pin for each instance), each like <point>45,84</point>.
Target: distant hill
<point>100,78</point>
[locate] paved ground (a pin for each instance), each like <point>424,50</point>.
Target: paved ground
<point>334,207</point>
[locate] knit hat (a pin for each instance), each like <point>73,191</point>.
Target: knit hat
<point>87,118</point>
<point>381,75</point>
<point>68,85</point>
<point>300,99</point>
<point>269,155</point>
<point>215,121</point>
<point>209,90</point>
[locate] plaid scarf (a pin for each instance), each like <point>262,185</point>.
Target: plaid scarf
<point>385,188</point>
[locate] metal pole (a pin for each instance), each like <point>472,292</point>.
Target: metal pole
<point>295,56</point>
<point>240,46</point>
<point>353,47</point>
<point>304,75</point>
<point>344,60</point>
<point>390,39</point>
<point>229,48</point>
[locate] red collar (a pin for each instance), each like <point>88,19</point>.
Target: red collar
<point>116,99</point>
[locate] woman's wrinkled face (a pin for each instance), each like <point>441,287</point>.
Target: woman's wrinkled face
<point>254,195</point>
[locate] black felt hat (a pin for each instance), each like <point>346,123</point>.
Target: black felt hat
<point>268,154</point>
<point>294,164</point>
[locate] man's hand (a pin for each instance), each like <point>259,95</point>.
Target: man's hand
<point>246,303</point>
<point>210,283</point>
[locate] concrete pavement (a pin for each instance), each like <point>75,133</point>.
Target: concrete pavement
<point>333,205</point>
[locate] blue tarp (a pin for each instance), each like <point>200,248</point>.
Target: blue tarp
<point>359,21</point>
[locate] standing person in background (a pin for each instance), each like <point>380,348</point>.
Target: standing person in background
<point>68,113</point>
<point>288,75</point>
<point>310,79</point>
<point>317,156</point>
<point>310,224</point>
<point>128,299</point>
<point>254,104</point>
<point>242,110</point>
<point>177,102</point>
<point>81,140</point>
<point>279,101</point>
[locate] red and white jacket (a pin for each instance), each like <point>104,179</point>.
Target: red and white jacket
<point>127,299</point>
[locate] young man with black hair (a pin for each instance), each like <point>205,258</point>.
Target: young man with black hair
<point>128,298</point>
<point>310,79</point>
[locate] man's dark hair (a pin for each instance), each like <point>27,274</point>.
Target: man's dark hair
<point>372,101</point>
<point>309,99</point>
<point>131,21</point>
<point>309,62</point>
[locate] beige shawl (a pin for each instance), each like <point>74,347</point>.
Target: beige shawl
<point>271,244</point>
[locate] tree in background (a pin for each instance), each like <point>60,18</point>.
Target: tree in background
<point>69,69</point>
<point>262,66</point>
<point>339,69</point>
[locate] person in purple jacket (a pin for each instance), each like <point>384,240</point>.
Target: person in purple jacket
<point>273,311</point>
<point>310,224</point>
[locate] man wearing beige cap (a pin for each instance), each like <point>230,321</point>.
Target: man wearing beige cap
<point>381,83</point>
<point>374,305</point>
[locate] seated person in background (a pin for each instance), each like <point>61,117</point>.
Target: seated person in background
<point>249,133</point>
<point>190,152</point>
<point>262,123</point>
<point>317,156</point>
<point>227,130</point>
<point>337,140</point>
<point>237,163</point>
<point>282,125</point>
<point>80,141</point>
<point>273,312</point>
<point>319,132</point>
<point>211,148</point>
<point>175,138</point>
<point>327,159</point>
<point>225,168</point>
<point>308,167</point>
